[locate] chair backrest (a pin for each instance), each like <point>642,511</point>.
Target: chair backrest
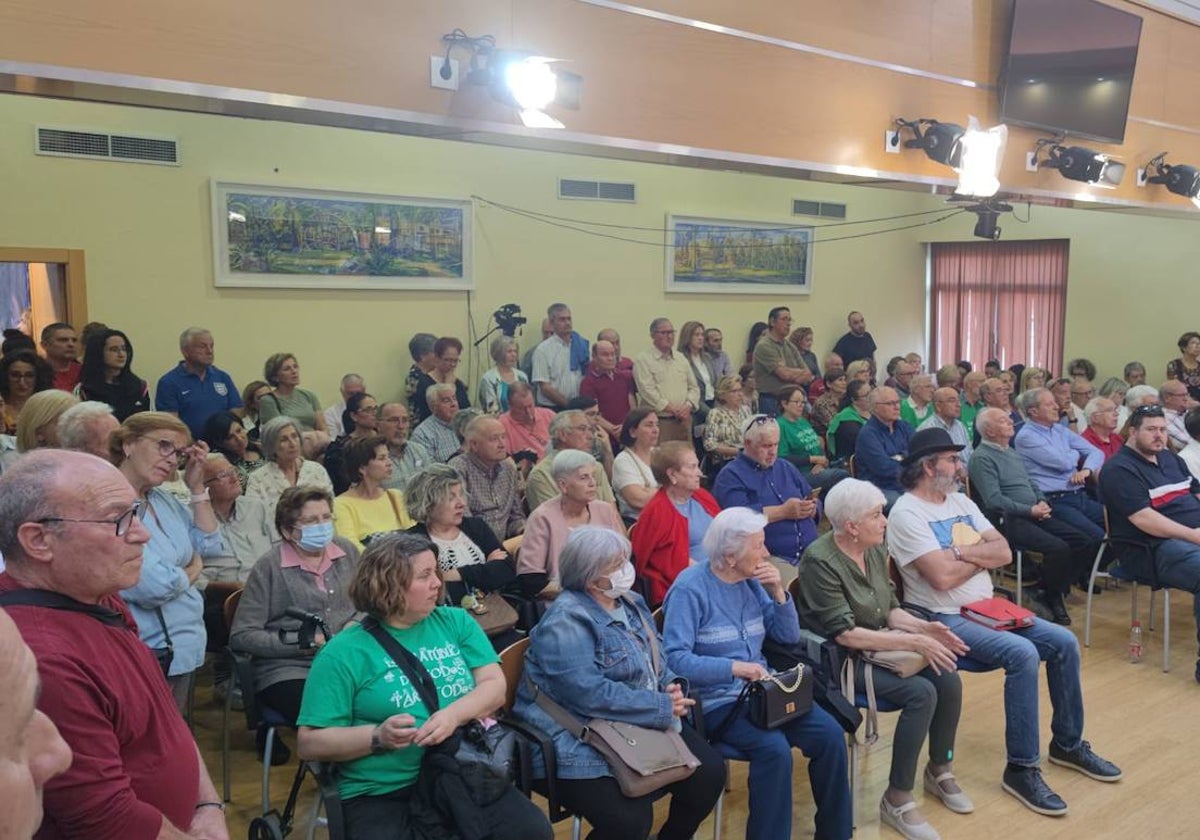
<point>850,467</point>
<point>230,608</point>
<point>512,663</point>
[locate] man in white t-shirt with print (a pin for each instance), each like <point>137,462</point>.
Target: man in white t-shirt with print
<point>944,547</point>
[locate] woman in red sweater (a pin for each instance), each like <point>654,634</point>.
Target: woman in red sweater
<point>669,533</point>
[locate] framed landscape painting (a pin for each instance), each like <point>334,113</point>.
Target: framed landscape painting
<point>281,237</point>
<point>738,257</point>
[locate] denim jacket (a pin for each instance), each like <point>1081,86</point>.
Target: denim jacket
<point>592,666</point>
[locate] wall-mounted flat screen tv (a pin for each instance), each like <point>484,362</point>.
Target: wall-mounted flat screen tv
<point>1070,67</point>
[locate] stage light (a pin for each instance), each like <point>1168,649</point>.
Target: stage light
<point>973,152</point>
<point>1077,163</point>
<point>1178,178</point>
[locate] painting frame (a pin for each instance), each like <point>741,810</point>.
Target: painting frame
<point>429,250</point>
<point>793,277</point>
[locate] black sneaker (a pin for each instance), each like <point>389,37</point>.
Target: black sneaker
<point>1085,761</point>
<point>1028,786</point>
<point>1058,609</point>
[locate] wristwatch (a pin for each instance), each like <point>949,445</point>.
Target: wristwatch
<point>377,745</point>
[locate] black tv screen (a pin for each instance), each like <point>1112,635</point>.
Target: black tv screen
<point>1070,67</point>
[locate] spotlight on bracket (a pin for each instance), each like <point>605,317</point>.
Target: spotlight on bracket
<point>1077,163</point>
<point>973,152</point>
<point>1177,178</point>
<point>987,214</point>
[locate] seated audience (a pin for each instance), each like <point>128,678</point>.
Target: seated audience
<point>106,375</point>
<point>944,568</point>
<point>1101,432</point>
<point>60,347</point>
<point>496,380</point>
<point>288,399</point>
<point>571,660</point>
<point>1081,368</point>
<point>827,404</point>
<point>799,443</point>
<point>611,386</point>
<point>917,407</point>
<point>947,407</point>
<point>995,393</point>
<point>1191,453</point>
<point>1114,389</point>
<point>1153,499</point>
<point>633,478</point>
<point>446,353</point>
<point>224,433</point>
<point>490,478</point>
<point>252,394</point>
<point>1068,414</point>
<point>436,432</point>
<point>349,715</point>
<point>902,376</point>
<point>762,481</point>
<point>601,449</point>
<point>817,387</point>
<point>882,444</point>
<point>576,504</point>
<point>351,384</point>
<point>407,458</point>
<point>991,368</point>
<point>85,428</point>
<point>1135,374</point>
<point>972,383</point>
<point>860,370</point>
<point>718,614</point>
<point>310,570</point>
<point>196,389</point>
<point>526,425</point>
<point>420,347</point>
<point>149,448</point>
<point>37,427</point>
<point>723,429</point>
<point>842,437</point>
<point>1033,377</point>
<point>1173,396</point>
<point>22,374</point>
<point>949,376</point>
<point>360,419</point>
<point>847,596</point>
<point>569,430</point>
<point>286,465</point>
<point>559,361</point>
<point>1082,390</point>
<point>749,388</point>
<point>367,507</point>
<point>136,770</point>
<point>1186,368</point>
<point>670,533</point>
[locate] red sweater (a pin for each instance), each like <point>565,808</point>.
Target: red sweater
<point>134,758</point>
<point>660,541</point>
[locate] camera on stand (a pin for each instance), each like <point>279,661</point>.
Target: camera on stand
<point>306,636</point>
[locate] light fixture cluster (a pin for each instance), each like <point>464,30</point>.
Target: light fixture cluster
<point>973,152</point>
<point>1077,163</point>
<point>1178,178</point>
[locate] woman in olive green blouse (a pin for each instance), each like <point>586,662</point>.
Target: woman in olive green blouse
<point>846,595</point>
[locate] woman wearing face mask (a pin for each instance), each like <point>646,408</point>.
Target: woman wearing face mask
<point>596,654</point>
<point>310,570</point>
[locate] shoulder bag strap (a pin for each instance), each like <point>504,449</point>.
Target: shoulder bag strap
<point>395,507</point>
<point>163,623</point>
<point>651,637</point>
<point>58,601</point>
<point>871,735</point>
<point>557,713</point>
<point>417,673</point>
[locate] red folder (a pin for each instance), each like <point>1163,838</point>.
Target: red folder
<point>998,614</point>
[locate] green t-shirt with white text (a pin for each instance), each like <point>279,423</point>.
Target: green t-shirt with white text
<point>354,682</point>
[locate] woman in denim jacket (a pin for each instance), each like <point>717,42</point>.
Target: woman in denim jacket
<point>591,655</point>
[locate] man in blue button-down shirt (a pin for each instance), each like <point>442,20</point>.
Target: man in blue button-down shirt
<point>1059,462</point>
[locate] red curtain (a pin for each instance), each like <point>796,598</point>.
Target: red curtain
<point>999,300</point>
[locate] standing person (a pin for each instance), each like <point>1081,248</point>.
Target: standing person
<point>777,362</point>
<point>420,348</point>
<point>251,395</point>
<point>944,548</point>
<point>749,388</point>
<point>559,361</point>
<point>368,507</point>
<point>106,375</point>
<point>665,383</point>
<point>633,481</point>
<point>1186,368</point>
<point>691,345</point>
<point>22,374</point>
<point>148,449</point>
<point>527,359</point>
<point>408,458</point>
<point>718,614</point>
<point>196,389</point>
<point>493,387</point>
<point>447,352</point>
<point>70,525</point>
<point>857,343</point>
<point>611,387</point>
<point>61,346</point>
<point>756,333</point>
<point>350,385</point>
<point>802,338</point>
<point>288,399</point>
<point>613,337</point>
<point>718,359</point>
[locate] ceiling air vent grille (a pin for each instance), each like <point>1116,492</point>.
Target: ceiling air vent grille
<point>96,145</point>
<point>597,190</point>
<point>824,209</point>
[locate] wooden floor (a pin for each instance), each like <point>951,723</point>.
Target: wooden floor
<point>1146,721</point>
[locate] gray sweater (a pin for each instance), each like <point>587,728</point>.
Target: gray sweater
<point>270,591</point>
<point>1000,482</point>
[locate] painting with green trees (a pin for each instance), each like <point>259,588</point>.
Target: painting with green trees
<point>715,255</point>
<point>286,237</point>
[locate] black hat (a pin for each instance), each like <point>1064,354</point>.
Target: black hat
<point>929,442</point>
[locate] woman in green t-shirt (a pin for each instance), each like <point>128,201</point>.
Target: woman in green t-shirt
<point>800,444</point>
<point>361,711</point>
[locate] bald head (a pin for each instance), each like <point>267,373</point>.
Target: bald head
<point>486,439</point>
<point>946,404</point>
<point>604,355</point>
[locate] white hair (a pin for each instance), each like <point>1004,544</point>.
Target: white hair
<point>1135,395</point>
<point>431,393</point>
<point>185,337</point>
<point>73,423</point>
<point>850,500</point>
<point>727,533</point>
<point>1093,406</point>
<point>568,461</point>
<point>586,554</point>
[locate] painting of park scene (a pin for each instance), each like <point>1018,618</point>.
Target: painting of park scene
<point>717,255</point>
<point>291,238</point>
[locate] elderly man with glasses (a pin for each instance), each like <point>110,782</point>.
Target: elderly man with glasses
<point>882,443</point>
<point>71,533</point>
<point>665,383</point>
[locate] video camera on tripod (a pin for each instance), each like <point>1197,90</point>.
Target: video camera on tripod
<point>508,317</point>
<point>306,636</point>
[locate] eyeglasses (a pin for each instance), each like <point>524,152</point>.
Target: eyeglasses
<point>223,475</point>
<point>888,402</point>
<point>122,523</point>
<point>167,448</point>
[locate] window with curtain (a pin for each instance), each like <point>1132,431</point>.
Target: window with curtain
<point>999,300</point>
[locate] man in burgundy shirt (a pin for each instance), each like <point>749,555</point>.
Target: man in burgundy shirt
<point>610,335</point>
<point>611,387</point>
<point>70,525</point>
<point>61,346</point>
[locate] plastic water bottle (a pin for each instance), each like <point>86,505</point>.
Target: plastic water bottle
<point>1135,641</point>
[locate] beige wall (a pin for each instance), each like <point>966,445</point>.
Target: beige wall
<point>146,233</point>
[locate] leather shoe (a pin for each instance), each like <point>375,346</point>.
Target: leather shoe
<point>893,815</point>
<point>1085,761</point>
<point>1031,790</point>
<point>1053,602</point>
<point>958,802</point>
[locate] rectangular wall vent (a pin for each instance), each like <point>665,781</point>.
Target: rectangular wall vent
<point>62,142</point>
<point>597,190</point>
<point>824,209</point>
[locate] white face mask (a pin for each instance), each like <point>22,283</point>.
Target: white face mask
<point>620,581</point>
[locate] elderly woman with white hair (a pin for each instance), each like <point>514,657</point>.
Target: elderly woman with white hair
<point>494,385</point>
<point>86,427</point>
<point>718,614</point>
<point>597,655</point>
<point>546,530</point>
<point>281,439</point>
<point>846,595</point>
